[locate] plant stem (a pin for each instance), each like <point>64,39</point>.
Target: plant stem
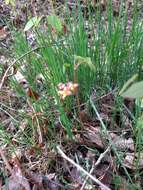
<point>77,95</point>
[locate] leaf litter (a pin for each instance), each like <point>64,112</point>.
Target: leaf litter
<point>30,170</point>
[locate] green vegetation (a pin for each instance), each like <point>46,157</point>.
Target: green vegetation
<point>93,51</point>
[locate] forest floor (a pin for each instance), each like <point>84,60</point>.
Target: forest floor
<point>102,154</point>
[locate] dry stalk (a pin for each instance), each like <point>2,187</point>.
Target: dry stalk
<point>82,170</point>
<point>95,165</point>
<point>38,125</point>
<point>77,95</point>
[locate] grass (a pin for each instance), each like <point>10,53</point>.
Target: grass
<point>115,52</point>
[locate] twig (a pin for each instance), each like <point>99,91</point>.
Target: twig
<point>21,57</point>
<point>81,169</point>
<point>102,156</point>
<point>13,63</point>
<point>95,165</point>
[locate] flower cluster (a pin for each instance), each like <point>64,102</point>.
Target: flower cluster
<point>67,89</point>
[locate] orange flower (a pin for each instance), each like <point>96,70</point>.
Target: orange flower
<point>74,88</point>
<point>67,89</point>
<point>61,86</point>
<point>64,93</point>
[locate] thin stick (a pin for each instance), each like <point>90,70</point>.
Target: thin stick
<point>13,63</point>
<point>94,166</point>
<point>102,156</point>
<point>77,94</point>
<point>21,57</point>
<point>81,169</point>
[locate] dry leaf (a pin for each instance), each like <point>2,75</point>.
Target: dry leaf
<point>52,181</point>
<point>21,80</point>
<point>17,181</point>
<point>76,176</point>
<point>36,179</point>
<point>105,173</point>
<point>24,83</point>
<point>93,137</point>
<point>32,94</point>
<point>3,33</point>
<point>130,161</point>
<point>122,143</point>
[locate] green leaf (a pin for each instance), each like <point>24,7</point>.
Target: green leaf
<point>85,61</point>
<point>128,83</point>
<point>33,22</point>
<point>134,91</point>
<point>55,22</point>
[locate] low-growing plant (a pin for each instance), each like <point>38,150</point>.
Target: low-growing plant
<point>109,53</point>
<point>73,57</point>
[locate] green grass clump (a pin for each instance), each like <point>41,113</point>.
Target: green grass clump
<point>116,54</point>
